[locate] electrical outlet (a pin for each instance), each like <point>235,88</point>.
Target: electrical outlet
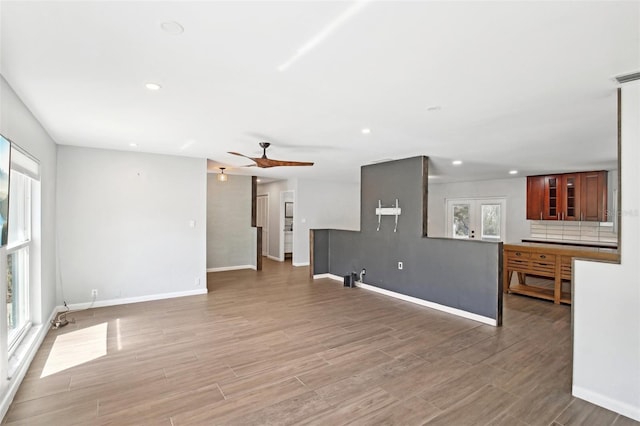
<point>94,292</point>
<point>400,265</point>
<point>363,272</point>
<point>197,281</point>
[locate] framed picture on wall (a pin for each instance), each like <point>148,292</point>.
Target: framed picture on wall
<point>5,162</point>
<point>288,209</point>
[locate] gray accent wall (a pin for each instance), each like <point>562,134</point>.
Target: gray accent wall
<point>465,275</point>
<point>230,237</point>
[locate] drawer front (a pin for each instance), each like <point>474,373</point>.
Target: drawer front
<point>543,257</point>
<point>517,255</point>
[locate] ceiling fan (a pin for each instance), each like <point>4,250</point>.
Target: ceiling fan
<point>264,162</point>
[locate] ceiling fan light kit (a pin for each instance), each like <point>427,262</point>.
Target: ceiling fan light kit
<point>264,162</point>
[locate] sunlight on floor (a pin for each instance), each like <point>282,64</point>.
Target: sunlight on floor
<point>75,348</point>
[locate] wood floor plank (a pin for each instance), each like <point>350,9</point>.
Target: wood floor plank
<point>273,347</point>
<point>479,408</point>
<point>580,412</point>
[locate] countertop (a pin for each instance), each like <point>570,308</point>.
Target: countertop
<point>567,250</point>
<point>572,243</point>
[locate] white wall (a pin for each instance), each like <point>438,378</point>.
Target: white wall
<point>231,241</point>
<point>606,302</point>
<point>19,125</point>
<point>514,190</point>
<point>124,224</point>
<point>322,205</point>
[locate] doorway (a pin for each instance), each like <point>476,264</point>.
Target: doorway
<point>479,218</point>
<point>287,224</point>
<point>262,220</point>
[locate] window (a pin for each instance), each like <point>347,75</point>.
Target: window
<point>18,256</point>
<point>22,174</point>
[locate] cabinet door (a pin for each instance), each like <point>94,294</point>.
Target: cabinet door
<point>552,197</point>
<point>593,196</point>
<point>535,197</point>
<point>570,197</point>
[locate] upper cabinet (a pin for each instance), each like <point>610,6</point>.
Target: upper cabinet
<point>568,196</point>
<point>593,196</point>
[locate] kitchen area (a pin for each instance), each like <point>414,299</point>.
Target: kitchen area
<point>547,221</point>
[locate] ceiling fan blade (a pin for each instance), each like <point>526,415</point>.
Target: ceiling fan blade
<point>265,163</point>
<point>240,155</point>
<point>268,162</point>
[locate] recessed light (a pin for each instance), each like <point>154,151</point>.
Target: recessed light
<point>513,172</point>
<point>133,145</point>
<point>434,108</point>
<point>153,86</point>
<point>456,162</point>
<point>366,131</point>
<point>172,27</point>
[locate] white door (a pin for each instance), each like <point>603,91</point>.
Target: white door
<point>262,220</point>
<point>481,219</point>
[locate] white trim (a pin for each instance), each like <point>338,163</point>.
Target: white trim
<point>277,259</point>
<point>31,343</point>
<point>432,305</point>
<point>231,268</point>
<point>330,276</point>
<point>137,299</point>
<point>421,302</point>
<point>300,264</point>
<point>627,410</point>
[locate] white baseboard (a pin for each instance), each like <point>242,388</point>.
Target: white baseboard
<point>627,410</point>
<point>300,264</point>
<point>330,276</point>
<point>31,343</point>
<point>277,259</point>
<point>432,305</point>
<point>137,299</point>
<point>421,302</point>
<point>231,268</point>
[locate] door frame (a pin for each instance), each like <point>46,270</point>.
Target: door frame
<point>265,227</point>
<point>285,196</point>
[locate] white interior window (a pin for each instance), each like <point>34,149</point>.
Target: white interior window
<point>24,171</point>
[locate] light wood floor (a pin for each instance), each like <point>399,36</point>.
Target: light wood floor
<point>272,347</point>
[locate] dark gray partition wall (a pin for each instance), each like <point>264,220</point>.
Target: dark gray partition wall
<point>460,274</point>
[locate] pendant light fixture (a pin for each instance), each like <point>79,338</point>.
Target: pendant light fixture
<point>222,177</point>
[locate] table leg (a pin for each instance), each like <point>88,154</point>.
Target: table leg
<point>506,280</point>
<point>557,285</point>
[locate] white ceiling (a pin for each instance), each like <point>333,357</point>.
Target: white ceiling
<point>516,85</point>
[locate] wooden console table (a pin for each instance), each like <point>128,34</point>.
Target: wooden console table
<point>550,261</point>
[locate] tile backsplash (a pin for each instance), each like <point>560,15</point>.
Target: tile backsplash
<point>600,232</point>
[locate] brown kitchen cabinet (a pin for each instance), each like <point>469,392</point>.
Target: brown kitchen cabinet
<point>567,196</point>
<point>535,197</point>
<point>593,196</point>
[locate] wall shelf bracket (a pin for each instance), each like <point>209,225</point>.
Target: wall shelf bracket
<point>388,211</point>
